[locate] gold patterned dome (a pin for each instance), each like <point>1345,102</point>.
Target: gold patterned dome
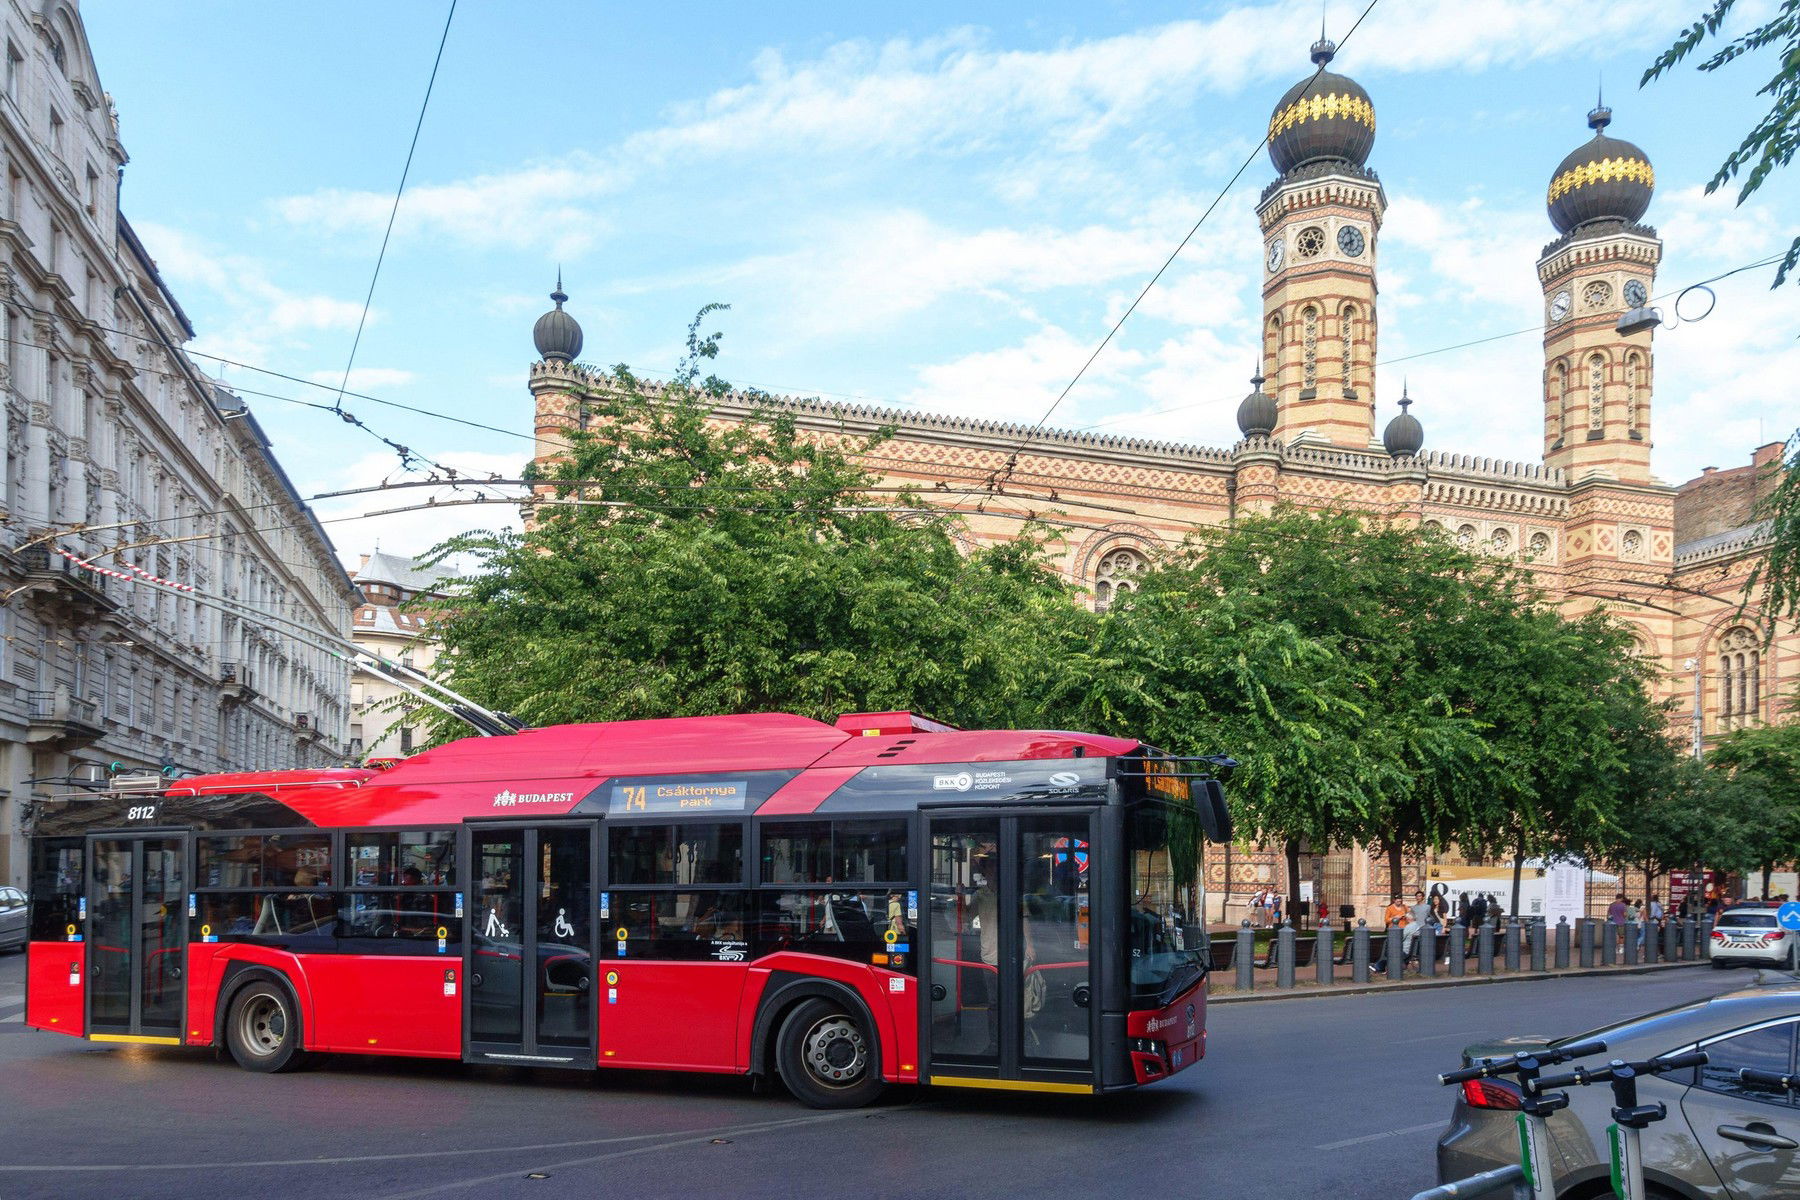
<point>1604,180</point>
<point>1323,117</point>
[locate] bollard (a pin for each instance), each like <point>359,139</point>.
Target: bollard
<point>1459,949</point>
<point>1589,939</point>
<point>1245,957</point>
<point>1484,949</point>
<point>1512,944</point>
<point>1284,955</point>
<point>1359,952</point>
<point>1562,943</point>
<point>1322,964</point>
<point>1534,933</point>
<point>1609,942</point>
<point>1671,939</point>
<point>1704,933</point>
<point>1428,943</point>
<point>1395,954</point>
<point>1629,951</point>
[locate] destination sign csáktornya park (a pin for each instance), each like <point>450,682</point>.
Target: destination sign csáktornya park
<point>678,796</point>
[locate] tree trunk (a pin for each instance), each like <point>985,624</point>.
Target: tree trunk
<point>1767,871</point>
<point>1395,887</point>
<point>1292,849</point>
<point>1518,872</point>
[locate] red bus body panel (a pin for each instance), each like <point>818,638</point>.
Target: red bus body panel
<point>55,974</point>
<point>683,1015</point>
<point>1180,1027</point>
<point>894,1007</point>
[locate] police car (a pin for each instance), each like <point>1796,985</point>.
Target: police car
<point>1755,934</point>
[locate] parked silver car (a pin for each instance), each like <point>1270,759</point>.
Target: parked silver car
<point>1751,934</point>
<point>1721,1140</point>
<point>12,919</point>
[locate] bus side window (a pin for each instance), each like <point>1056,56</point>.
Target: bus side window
<point>56,883</point>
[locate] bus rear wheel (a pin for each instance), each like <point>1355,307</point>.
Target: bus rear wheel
<point>826,1058</point>
<point>262,1029</point>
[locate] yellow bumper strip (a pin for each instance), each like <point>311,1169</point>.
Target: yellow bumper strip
<point>134,1038</point>
<point>1011,1085</point>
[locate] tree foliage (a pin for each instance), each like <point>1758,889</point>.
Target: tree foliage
<point>1772,141</point>
<point>1763,766</point>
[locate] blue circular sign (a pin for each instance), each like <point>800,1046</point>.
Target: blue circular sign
<point>1788,915</point>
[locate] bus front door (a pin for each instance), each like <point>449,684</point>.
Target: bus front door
<point>1008,960</point>
<point>136,931</point>
<point>529,944</point>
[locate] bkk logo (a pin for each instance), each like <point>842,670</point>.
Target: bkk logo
<point>514,799</point>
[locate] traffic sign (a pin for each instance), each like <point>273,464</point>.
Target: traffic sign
<point>1788,915</point>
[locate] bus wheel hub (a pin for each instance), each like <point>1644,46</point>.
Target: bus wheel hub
<point>835,1051</point>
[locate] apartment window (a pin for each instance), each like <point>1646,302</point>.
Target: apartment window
<point>93,192</point>
<point>56,132</point>
<point>15,67</point>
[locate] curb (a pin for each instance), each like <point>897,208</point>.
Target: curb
<point>1314,991</point>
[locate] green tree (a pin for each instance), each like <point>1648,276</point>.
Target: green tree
<point>679,566</point>
<point>1764,763</point>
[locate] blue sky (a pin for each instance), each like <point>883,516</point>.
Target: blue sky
<point>928,206</point>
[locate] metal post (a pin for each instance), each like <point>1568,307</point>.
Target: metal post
<point>1322,964</point>
<point>1395,955</point>
<point>1609,936</point>
<point>1630,956</point>
<point>1245,956</point>
<point>1428,942</point>
<point>1534,932</point>
<point>1459,949</point>
<point>1671,939</point>
<point>1704,934</point>
<point>1512,944</point>
<point>1484,949</point>
<point>1359,952</point>
<point>1589,937</point>
<point>1562,943</point>
<point>1284,954</point>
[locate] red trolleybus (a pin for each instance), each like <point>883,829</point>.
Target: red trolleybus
<point>884,900</point>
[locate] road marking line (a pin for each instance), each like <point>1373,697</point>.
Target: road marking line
<point>1376,1137</point>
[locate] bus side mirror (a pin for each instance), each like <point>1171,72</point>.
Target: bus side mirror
<point>1215,817</point>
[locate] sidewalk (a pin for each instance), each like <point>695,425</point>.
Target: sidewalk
<point>1310,989</point>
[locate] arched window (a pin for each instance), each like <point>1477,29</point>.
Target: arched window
<point>1634,370</point>
<point>1272,353</point>
<point>1539,544</point>
<point>1465,537</point>
<point>1347,330</point>
<point>1309,346</point>
<point>1558,387</point>
<point>1740,677</point>
<point>1597,391</point>
<point>1116,575</point>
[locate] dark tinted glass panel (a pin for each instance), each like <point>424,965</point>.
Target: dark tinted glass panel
<point>679,925</point>
<point>109,933</point>
<point>297,859</point>
<point>565,904</point>
<point>230,862</point>
<point>676,854</point>
<point>965,939</point>
<point>425,858</point>
<point>1167,939</point>
<point>841,924</point>
<point>398,922</point>
<point>1770,1049</point>
<point>266,916</point>
<point>56,872</point>
<point>834,852</point>
<point>1055,865</point>
<point>162,918</point>
<point>496,981</point>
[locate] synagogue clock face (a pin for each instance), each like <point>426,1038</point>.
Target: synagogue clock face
<point>1277,252</point>
<point>1350,241</point>
<point>1559,306</point>
<point>1635,293</point>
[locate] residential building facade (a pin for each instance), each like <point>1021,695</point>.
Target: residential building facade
<point>383,624</point>
<point>122,455</point>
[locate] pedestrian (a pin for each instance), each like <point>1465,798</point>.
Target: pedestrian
<point>1462,910</point>
<point>1416,919</point>
<point>1496,910</point>
<point>1616,913</point>
<point>1653,919</point>
<point>1440,904</point>
<point>1275,908</point>
<point>1395,914</point>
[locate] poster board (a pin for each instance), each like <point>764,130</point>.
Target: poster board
<point>1565,893</point>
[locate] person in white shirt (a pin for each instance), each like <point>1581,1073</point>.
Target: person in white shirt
<point>1653,918</point>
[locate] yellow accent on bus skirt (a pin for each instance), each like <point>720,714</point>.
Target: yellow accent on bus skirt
<point>1011,1085</point>
<point>134,1038</point>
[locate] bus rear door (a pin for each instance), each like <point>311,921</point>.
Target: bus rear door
<point>529,943</point>
<point>136,931</point>
<point>1008,957</point>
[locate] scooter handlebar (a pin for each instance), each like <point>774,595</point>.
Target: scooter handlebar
<point>1510,1065</point>
<point>1674,1062</point>
<point>1769,1079</point>
<point>1582,1076</point>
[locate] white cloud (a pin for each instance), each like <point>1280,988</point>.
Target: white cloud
<point>1018,383</point>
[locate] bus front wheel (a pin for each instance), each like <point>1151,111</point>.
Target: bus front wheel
<point>263,1028</point>
<point>826,1058</point>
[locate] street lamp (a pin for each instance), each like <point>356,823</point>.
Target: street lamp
<point>1693,664</point>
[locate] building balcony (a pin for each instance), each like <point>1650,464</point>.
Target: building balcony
<point>60,721</point>
<point>306,729</point>
<point>236,681</point>
<point>52,580</point>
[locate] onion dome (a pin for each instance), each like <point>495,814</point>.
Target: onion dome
<point>1604,180</point>
<point>1404,435</point>
<point>1256,415</point>
<point>1323,117</point>
<point>557,334</point>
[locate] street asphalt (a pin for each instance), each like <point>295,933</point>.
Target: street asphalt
<point>1333,1097</point>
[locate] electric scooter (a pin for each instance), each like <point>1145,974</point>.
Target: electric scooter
<point>1536,1104</point>
<point>1630,1119</point>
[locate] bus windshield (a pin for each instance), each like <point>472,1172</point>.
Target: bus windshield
<point>1167,937</point>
